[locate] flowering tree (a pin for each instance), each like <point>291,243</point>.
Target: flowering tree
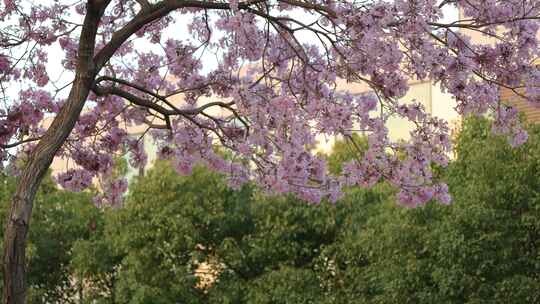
<point>275,81</point>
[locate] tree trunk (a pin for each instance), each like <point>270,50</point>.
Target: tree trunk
<point>18,220</point>
<point>41,157</point>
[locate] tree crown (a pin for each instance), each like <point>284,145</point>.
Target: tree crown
<point>273,89</point>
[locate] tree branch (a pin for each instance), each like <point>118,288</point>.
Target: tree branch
<point>112,90</point>
<point>152,13</point>
<point>12,145</point>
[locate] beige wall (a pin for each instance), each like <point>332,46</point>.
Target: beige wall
<point>399,128</point>
<point>436,102</point>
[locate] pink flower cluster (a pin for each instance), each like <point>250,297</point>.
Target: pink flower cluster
<point>275,89</point>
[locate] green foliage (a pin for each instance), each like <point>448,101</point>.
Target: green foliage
<point>60,218</point>
<point>481,249</point>
<point>496,218</point>
<point>345,150</point>
<point>163,223</point>
<point>267,249</point>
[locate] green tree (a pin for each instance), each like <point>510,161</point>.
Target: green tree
<point>345,150</point>
<point>493,232</point>
<point>61,218</point>
<point>259,243</point>
<point>481,249</point>
<point>168,226</point>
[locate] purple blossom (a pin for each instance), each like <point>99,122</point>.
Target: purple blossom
<point>75,179</point>
<point>270,94</point>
